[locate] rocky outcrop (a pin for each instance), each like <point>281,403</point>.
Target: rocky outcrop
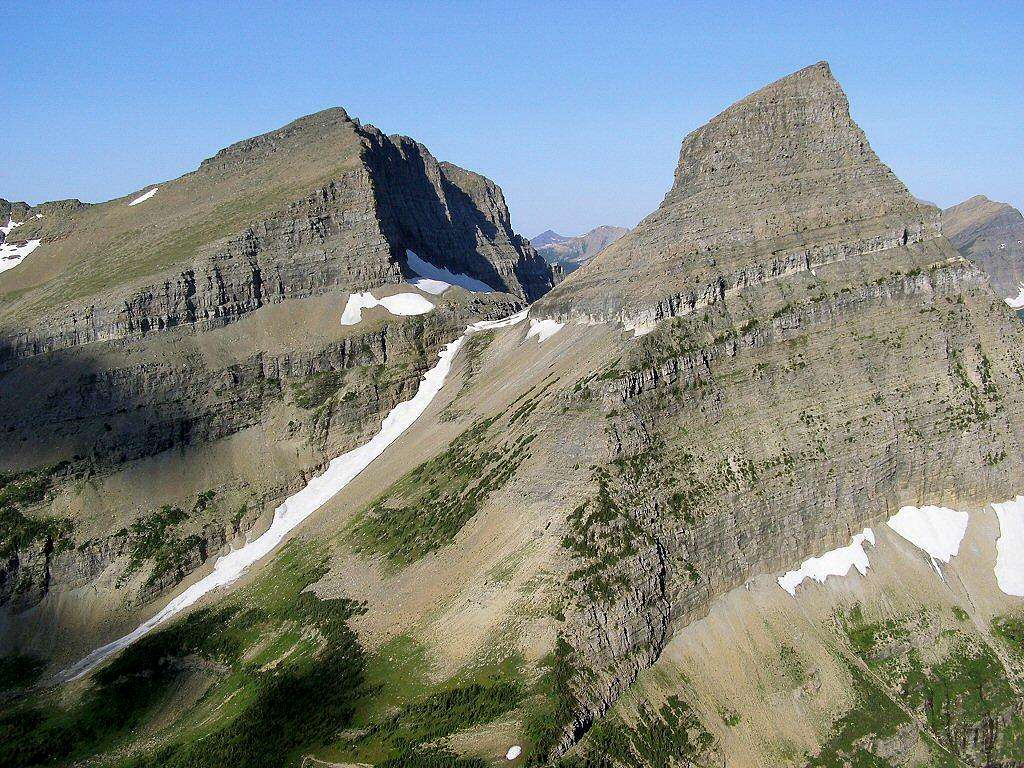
<point>451,217</point>
<point>991,235</point>
<point>350,232</point>
<point>742,448</point>
<point>106,406</point>
<point>304,251</point>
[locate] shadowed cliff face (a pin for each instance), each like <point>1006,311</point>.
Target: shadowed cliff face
<point>451,217</point>
<point>288,375</point>
<point>321,205</point>
<point>991,235</point>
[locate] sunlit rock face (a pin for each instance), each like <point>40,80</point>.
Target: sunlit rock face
<point>782,181</point>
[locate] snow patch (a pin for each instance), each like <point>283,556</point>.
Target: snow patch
<point>12,255</point>
<point>513,752</point>
<point>437,280</point>
<point>543,329</point>
<point>936,530</point>
<point>296,508</point>
<point>1009,567</point>
<point>399,304</point>
<point>835,563</point>
<point>433,287</point>
<point>11,224</point>
<point>489,325</point>
<point>144,197</point>
<point>1017,302</point>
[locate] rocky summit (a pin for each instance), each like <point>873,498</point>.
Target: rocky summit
<point>780,182</point>
<point>307,463</point>
<point>322,204</point>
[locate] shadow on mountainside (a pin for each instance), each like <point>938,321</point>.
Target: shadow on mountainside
<point>72,403</point>
<point>423,211</point>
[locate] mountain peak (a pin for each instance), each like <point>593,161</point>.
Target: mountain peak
<point>307,129</point>
<point>802,118</point>
<point>571,253</point>
<point>963,221</point>
<point>784,172</point>
<point>547,237</point>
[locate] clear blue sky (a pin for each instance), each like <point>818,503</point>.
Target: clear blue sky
<point>576,110</point>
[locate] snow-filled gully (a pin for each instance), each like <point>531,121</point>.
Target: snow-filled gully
<point>296,508</point>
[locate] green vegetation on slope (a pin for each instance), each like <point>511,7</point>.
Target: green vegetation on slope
<point>673,735</point>
<point>965,701</point>
<point>552,710</point>
<point>426,508</point>
<point>873,716</point>
<point>280,673</point>
<point>154,539</point>
<point>315,390</point>
<point>600,535</point>
<point>410,734</point>
<point>19,670</point>
<point>293,696</point>
<point>23,489</point>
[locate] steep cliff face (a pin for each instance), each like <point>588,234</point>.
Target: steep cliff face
<point>98,439</point>
<point>323,204</point>
<point>991,235</point>
<point>204,313</point>
<point>541,561</point>
<point>813,355</point>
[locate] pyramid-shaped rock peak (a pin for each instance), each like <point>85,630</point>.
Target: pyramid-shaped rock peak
<point>780,181</point>
<point>791,148</point>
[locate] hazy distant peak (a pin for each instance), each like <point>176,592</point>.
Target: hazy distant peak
<point>573,252</point>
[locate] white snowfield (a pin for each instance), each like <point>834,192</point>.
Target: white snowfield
<point>936,530</point>
<point>11,224</point>
<point>1009,566</point>
<point>301,505</point>
<point>838,562</point>
<point>1017,302</point>
<point>399,304</point>
<point>12,255</point>
<point>939,532</point>
<point>144,197</point>
<point>543,329</point>
<point>437,280</point>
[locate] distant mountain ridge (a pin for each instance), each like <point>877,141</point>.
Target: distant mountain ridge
<point>573,252</point>
<point>991,234</point>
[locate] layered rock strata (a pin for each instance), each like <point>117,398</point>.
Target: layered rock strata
<point>818,356</point>
<point>344,204</point>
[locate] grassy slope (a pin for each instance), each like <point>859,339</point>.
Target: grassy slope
<point>276,672</point>
<point>99,247</point>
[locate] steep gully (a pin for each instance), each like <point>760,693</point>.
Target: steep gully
<point>296,508</point>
